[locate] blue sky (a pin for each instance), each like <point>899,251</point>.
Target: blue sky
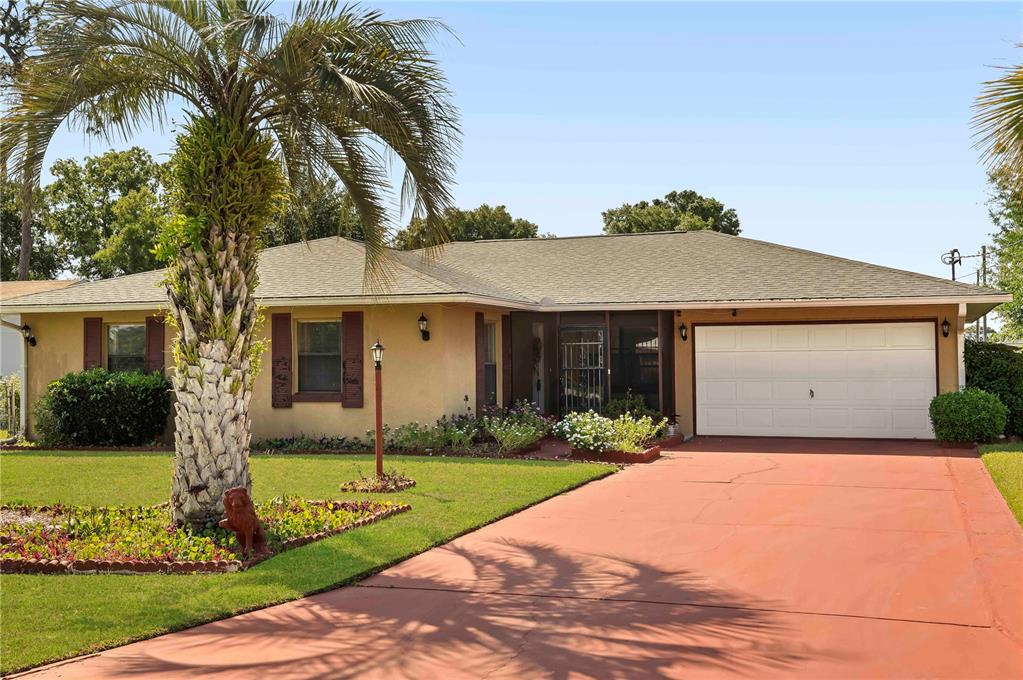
<point>842,128</point>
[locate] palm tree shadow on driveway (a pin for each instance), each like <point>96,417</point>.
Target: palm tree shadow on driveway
<point>534,610</point>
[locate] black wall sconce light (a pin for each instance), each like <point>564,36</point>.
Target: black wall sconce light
<point>423,328</point>
<point>944,328</point>
<point>683,332</point>
<point>26,332</point>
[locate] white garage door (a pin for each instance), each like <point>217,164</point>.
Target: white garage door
<point>815,380</point>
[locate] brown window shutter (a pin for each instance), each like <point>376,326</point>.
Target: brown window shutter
<point>506,361</point>
<point>280,358</point>
<point>154,343</point>
<point>481,355</point>
<point>93,354</point>
<point>351,360</point>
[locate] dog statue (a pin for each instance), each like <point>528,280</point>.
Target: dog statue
<point>240,517</point>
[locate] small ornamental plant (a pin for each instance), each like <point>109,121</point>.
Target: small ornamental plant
<point>389,482</point>
<point>968,416</point>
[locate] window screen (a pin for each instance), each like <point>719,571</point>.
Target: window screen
<point>126,347</point>
<point>319,356</point>
<point>490,363</point>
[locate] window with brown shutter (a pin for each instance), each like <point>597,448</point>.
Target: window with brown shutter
<point>93,342</point>
<point>280,360</point>
<point>154,343</point>
<point>352,358</point>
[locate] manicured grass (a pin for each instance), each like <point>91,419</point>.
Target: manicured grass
<point>1005,463</point>
<point>49,617</point>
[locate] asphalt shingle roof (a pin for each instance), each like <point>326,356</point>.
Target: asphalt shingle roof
<point>667,267</point>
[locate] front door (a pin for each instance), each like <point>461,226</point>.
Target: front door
<point>583,369</point>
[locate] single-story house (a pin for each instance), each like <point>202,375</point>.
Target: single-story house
<point>730,335</point>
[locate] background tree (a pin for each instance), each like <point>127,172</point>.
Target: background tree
<point>107,212</point>
<point>484,222</point>
<point>17,24</point>
<point>1006,209</point>
<point>320,210</point>
<point>677,211</point>
<point>47,261</point>
<point>272,105</point>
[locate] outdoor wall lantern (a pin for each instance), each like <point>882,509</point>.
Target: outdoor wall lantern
<point>944,328</point>
<point>683,332</point>
<point>26,332</point>
<point>422,327</point>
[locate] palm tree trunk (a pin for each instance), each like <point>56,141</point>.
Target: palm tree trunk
<point>226,186</point>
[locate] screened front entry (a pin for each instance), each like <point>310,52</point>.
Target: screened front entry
<point>583,369</point>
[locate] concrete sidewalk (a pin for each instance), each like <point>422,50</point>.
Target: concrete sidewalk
<point>726,558</point>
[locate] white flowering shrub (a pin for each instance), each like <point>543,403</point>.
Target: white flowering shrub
<point>588,431</point>
<point>593,432</point>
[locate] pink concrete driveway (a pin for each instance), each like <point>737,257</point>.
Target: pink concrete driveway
<point>726,558</point>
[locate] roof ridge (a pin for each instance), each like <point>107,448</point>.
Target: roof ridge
<point>665,232</point>
<point>862,263</point>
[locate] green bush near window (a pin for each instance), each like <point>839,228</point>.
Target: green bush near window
<point>998,369</point>
<point>102,408</point>
<point>631,403</point>
<point>971,415</point>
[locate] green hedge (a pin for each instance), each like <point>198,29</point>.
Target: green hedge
<point>97,407</point>
<point>998,369</point>
<point>969,416</point>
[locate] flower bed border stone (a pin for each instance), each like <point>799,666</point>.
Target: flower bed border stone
<point>620,457</point>
<point>69,567</point>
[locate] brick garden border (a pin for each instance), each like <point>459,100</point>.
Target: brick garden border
<point>35,566</point>
<point>620,457</point>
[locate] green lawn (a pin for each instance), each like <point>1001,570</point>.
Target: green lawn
<point>1005,463</point>
<point>49,617</point>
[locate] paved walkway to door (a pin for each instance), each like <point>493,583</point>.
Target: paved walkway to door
<point>726,558</point>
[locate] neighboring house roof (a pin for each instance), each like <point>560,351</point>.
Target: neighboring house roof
<point>666,268</point>
<point>13,289</point>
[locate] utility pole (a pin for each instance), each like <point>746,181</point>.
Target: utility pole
<point>953,258</point>
<point>977,334</point>
<point>983,278</point>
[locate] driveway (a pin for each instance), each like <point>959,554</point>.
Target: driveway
<point>726,558</point>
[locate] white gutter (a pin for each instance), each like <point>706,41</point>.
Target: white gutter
<point>995,299</point>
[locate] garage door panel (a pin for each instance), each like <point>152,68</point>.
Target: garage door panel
<point>789,364</point>
<point>755,337</point>
<point>753,365</point>
<point>791,390</point>
<point>831,418</point>
<point>720,392</point>
<point>868,380</point>
<point>756,390</point>
<point>910,335</point>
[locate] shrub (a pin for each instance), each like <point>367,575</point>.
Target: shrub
<point>633,434</point>
<point>97,407</point>
<point>633,404</point>
<point>998,369</point>
<point>516,427</point>
<point>304,442</point>
<point>969,416</point>
<point>588,431</point>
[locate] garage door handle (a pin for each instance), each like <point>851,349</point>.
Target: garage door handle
<point>811,393</point>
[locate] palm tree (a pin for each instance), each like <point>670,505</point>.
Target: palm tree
<point>999,119</point>
<point>272,104</point>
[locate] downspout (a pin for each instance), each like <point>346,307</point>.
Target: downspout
<point>961,342</point>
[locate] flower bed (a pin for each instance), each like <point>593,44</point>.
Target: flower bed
<point>76,539</point>
<point>624,439</point>
<point>390,482</point>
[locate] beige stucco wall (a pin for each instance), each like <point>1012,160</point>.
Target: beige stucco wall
<point>421,380</point>
<point>948,351</point>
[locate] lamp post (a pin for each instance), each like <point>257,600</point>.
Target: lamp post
<point>378,357</point>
